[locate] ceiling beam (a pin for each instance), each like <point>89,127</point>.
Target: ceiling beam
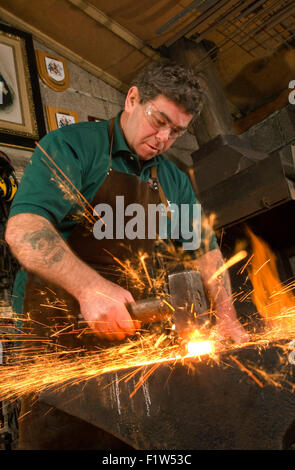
<point>123,33</point>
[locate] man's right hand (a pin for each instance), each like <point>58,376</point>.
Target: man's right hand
<point>104,308</point>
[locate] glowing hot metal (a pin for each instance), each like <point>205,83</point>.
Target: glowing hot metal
<point>199,348</point>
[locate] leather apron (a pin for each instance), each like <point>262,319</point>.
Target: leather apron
<point>54,314</point>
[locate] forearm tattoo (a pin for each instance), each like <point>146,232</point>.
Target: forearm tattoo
<point>47,242</point>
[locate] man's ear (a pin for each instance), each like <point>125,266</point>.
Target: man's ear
<point>132,98</point>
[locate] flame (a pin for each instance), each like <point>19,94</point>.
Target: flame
<point>274,302</point>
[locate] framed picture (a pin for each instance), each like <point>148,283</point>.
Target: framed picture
<point>95,119</point>
<point>21,114</point>
<point>57,117</point>
<point>53,70</point>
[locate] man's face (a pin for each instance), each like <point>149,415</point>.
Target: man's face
<point>143,137</point>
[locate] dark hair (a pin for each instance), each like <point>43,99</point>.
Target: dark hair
<point>178,84</point>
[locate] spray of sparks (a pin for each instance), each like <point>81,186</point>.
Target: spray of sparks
<point>28,371</point>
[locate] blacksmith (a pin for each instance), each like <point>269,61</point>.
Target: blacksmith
<point>102,160</point>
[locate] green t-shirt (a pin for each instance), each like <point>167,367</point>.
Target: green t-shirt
<point>79,153</point>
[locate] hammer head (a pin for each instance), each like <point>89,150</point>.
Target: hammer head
<point>188,299</point>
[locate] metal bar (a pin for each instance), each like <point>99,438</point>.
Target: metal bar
<point>260,16</point>
<point>196,22</point>
<point>270,23</point>
<point>224,17</point>
<point>185,11</point>
<point>207,57</point>
<point>290,37</point>
<point>250,20</point>
<point>277,33</point>
<point>253,39</point>
<point>262,43</point>
<point>287,27</point>
<point>253,7</point>
<point>236,43</point>
<point>251,34</point>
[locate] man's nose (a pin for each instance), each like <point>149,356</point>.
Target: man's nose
<point>163,134</point>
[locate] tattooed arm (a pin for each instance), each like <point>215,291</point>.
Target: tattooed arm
<point>219,291</point>
<point>40,249</point>
<point>45,241</point>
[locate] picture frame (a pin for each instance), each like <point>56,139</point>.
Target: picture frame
<point>58,117</point>
<point>22,120</point>
<point>53,70</point>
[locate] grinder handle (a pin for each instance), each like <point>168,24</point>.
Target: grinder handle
<point>149,310</point>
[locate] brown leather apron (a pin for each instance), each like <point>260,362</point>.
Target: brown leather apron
<point>53,312</point>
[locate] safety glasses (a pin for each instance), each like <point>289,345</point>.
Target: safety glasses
<point>159,121</point>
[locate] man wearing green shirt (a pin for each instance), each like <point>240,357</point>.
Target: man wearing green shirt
<point>148,126</point>
<point>86,138</point>
<point>98,165</point>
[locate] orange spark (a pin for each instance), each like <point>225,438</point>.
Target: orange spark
<point>243,368</point>
<point>68,180</point>
<point>233,260</point>
<point>142,258</point>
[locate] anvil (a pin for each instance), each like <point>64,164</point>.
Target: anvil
<point>216,406</point>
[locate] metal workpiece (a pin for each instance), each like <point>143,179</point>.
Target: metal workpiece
<point>204,404</point>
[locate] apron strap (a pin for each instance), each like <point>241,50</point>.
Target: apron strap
<point>111,139</point>
<point>154,175</point>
